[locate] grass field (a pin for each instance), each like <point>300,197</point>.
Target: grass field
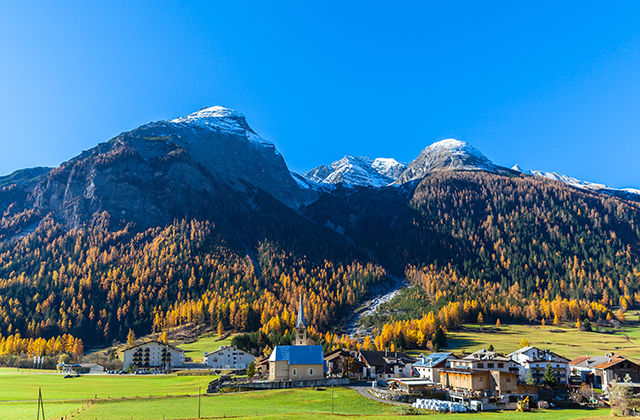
<point>207,342</point>
<point>24,386</point>
<point>569,342</point>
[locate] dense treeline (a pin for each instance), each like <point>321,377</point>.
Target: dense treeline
<point>98,284</point>
<point>523,247</point>
<point>513,248</point>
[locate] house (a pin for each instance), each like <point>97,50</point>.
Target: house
<point>384,365</point>
<point>343,363</point>
<point>533,360</point>
<point>429,367</point>
<point>228,357</point>
<point>483,359</point>
<point>601,370</point>
<point>80,368</point>
<point>295,363</point>
<point>152,355</point>
<point>300,361</point>
<point>466,382</point>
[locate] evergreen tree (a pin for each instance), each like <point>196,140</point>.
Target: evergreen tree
<point>251,369</point>
<point>549,377</point>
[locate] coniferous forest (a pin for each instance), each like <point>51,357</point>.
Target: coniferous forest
<point>509,247</point>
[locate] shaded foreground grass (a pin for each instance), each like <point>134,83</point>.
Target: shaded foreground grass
<point>24,386</point>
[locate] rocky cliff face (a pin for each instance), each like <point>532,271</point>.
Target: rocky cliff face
<point>161,171</point>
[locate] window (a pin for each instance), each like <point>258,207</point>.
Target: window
<point>310,371</point>
<point>489,365</point>
<point>500,365</point>
<point>480,365</point>
<point>294,371</point>
<point>508,379</point>
<point>480,379</point>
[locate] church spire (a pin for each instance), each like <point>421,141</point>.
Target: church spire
<point>301,326</point>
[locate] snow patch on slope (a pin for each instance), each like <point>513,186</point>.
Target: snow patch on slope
<point>357,171</point>
<point>223,119</point>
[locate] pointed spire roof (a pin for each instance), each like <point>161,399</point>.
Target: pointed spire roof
<point>301,323</point>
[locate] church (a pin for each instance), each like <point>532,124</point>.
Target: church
<point>299,361</point>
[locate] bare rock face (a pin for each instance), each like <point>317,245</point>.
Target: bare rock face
<point>205,163</point>
<point>133,188</point>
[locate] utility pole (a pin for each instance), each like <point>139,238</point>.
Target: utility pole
<point>40,404</point>
<point>331,399</point>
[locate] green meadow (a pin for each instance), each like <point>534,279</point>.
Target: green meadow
<point>566,341</point>
<point>205,343</point>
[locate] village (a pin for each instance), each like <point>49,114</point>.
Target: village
<point>482,380</point>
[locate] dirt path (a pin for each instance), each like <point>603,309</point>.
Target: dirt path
<point>363,390</point>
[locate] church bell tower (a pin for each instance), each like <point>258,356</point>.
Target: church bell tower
<point>301,327</point>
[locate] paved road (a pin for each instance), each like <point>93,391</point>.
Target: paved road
<point>363,389</point>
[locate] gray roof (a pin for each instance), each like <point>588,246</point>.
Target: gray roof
<point>432,360</point>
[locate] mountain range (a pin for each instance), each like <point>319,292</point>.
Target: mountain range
<point>199,219</point>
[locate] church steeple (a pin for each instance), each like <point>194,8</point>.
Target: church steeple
<point>301,326</point>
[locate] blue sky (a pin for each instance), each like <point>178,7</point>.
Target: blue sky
<point>553,86</point>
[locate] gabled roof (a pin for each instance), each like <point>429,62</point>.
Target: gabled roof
<point>298,355</point>
<point>433,359</point>
<point>377,358</point>
<point>612,362</point>
<point>540,352</point>
<point>483,355</point>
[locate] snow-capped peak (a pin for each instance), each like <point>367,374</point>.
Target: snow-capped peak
<point>222,119</point>
<point>357,171</point>
<point>448,154</point>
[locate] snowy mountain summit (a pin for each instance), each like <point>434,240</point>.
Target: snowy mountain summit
<point>224,120</point>
<point>449,154</point>
<point>358,171</point>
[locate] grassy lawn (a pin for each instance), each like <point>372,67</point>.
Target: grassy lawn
<point>248,404</point>
<point>569,343</point>
<point>25,386</point>
<point>24,410</point>
<point>207,342</point>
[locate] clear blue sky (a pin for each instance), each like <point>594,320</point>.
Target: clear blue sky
<point>553,86</point>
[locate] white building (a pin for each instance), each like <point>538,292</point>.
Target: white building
<point>228,357</point>
<point>152,355</point>
<point>429,367</point>
<point>483,359</point>
<point>532,359</point>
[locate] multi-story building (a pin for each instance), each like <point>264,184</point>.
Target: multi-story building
<point>152,355</point>
<point>531,360</point>
<point>228,357</point>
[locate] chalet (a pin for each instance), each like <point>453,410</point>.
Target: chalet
<point>152,355</point>
<point>601,370</point>
<point>483,359</point>
<point>534,361</point>
<point>465,382</point>
<point>228,357</point>
<point>343,363</point>
<point>384,365</point>
<point>429,367</point>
